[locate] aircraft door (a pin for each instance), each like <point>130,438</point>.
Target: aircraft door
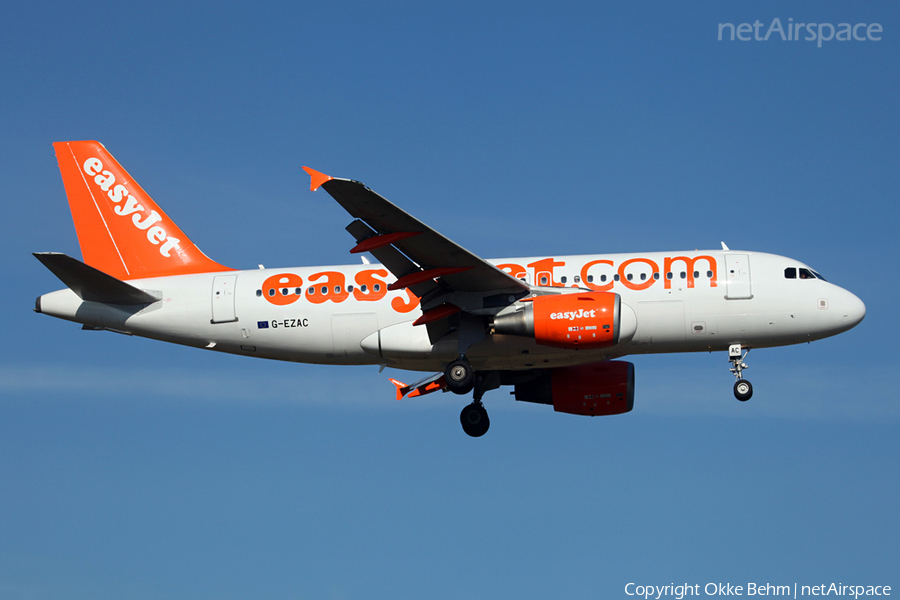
<point>737,277</point>
<point>223,299</point>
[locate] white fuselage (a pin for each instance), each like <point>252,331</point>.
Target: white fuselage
<point>683,302</point>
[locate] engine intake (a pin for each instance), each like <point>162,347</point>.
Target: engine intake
<point>588,320</point>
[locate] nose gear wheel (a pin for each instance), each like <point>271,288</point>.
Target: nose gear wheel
<point>743,390</point>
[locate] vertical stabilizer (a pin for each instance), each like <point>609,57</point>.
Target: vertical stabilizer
<point>121,230</point>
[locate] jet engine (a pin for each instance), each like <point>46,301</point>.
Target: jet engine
<point>588,320</point>
<point>605,388</point>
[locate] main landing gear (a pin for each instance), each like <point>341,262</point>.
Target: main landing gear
<point>460,376</point>
<point>474,419</point>
<point>462,379</point>
<point>742,388</point>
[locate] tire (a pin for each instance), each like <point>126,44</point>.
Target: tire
<point>460,377</point>
<point>474,420</point>
<point>743,390</point>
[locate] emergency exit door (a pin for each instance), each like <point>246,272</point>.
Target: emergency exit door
<point>223,299</point>
<point>737,277</point>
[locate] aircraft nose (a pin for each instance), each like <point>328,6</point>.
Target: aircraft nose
<point>852,310</point>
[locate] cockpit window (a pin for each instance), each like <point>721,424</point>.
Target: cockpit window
<point>806,274</point>
<point>790,273</point>
<point>818,276</point>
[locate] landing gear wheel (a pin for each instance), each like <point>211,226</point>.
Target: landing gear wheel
<point>474,420</point>
<point>460,376</point>
<point>743,390</point>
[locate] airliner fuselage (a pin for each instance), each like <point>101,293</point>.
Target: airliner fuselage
<point>550,326</point>
<point>333,315</point>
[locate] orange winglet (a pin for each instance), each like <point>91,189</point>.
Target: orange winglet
<point>316,178</point>
<point>402,388</point>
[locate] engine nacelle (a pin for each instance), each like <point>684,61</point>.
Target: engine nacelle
<point>605,388</point>
<point>588,320</point>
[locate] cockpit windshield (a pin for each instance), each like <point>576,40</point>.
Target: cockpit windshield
<point>802,272</point>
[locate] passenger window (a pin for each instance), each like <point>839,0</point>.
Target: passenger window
<point>709,274</point>
<point>656,276</point>
<point>577,279</point>
<point>310,290</point>
<point>350,289</point>
<point>590,279</point>
<point>628,277</point>
<point>298,291</point>
<point>377,287</point>
<point>603,278</point>
<point>337,289</point>
<point>362,288</point>
<point>324,290</point>
<point>643,276</point>
<point>616,277</point>
<point>543,280</point>
<point>683,275</point>
<point>562,279</point>
<point>696,274</point>
<point>790,273</point>
<point>669,275</point>
<point>258,293</point>
<point>284,292</point>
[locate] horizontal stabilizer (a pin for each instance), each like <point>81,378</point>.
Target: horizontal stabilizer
<point>93,285</point>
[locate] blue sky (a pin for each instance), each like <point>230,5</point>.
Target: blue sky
<point>133,469</point>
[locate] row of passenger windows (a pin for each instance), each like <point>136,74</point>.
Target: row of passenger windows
<point>544,280</point>
<point>793,272</point>
<point>311,291</point>
<point>789,273</point>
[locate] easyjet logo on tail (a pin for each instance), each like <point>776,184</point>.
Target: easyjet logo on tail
<point>118,193</point>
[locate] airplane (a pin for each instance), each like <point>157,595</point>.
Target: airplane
<point>551,327</point>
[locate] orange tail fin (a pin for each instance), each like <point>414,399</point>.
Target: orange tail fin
<point>121,230</point>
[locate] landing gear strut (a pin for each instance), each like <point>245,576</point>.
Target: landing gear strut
<point>742,388</point>
<point>474,419</point>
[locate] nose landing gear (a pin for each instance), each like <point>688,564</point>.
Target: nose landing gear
<point>743,390</point>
